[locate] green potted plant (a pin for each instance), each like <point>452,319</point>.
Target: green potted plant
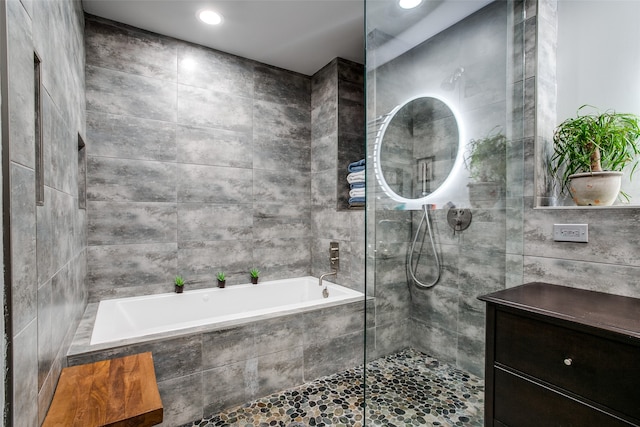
<point>222,279</point>
<point>487,165</point>
<point>255,273</point>
<point>589,153</point>
<point>179,284</point>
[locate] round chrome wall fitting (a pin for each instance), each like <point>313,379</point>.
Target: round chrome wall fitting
<point>459,219</point>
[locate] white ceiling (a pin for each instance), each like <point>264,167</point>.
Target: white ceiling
<point>297,35</point>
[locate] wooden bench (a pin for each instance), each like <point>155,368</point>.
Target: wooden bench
<point>116,393</point>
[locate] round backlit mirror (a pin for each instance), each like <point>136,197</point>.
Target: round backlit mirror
<point>418,152</point>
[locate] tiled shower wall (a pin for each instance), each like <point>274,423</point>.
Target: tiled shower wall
<point>200,162</point>
<point>447,320</point>
<point>48,241</point>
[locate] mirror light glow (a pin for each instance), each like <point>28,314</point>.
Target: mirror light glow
<point>453,188</point>
<point>210,17</point>
<point>409,4</point>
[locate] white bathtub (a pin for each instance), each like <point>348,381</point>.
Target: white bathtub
<point>124,318</point>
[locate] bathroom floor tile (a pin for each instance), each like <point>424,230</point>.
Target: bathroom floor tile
<point>405,389</point>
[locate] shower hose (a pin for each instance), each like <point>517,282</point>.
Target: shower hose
<point>410,266</point>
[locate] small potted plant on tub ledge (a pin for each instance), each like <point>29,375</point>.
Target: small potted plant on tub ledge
<point>222,279</point>
<point>255,273</point>
<point>179,284</point>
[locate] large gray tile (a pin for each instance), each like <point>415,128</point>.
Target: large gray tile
<point>333,322</point>
<point>214,147</point>
<point>121,180</point>
<point>282,87</point>
<point>130,137</point>
<point>199,262</point>
<point>182,399</point>
<point>229,385</point>
<point>274,220</point>
<point>210,108</point>
<point>280,153</point>
<point>328,357</point>
<point>116,92</point>
<point>119,47</point>
<point>23,247</point>
<point>279,334</point>
<point>214,70</point>
<point>199,221</point>
<point>214,184</point>
<point>281,121</point>
<point>281,186</point>
<point>45,327</point>
<point>130,223</point>
<point>25,371</point>
<point>21,113</point>
<point>280,371</point>
<point>228,346</point>
<point>279,258</point>
<point>133,265</point>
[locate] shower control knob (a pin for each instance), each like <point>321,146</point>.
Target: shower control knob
<point>568,361</point>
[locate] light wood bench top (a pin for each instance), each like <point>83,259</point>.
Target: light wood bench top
<point>115,393</point>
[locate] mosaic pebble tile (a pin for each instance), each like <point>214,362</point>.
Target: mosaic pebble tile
<point>405,389</point>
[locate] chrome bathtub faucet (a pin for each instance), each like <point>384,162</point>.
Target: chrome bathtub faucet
<point>333,273</point>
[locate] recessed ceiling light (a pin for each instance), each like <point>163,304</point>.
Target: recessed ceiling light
<point>409,4</point>
<point>210,17</point>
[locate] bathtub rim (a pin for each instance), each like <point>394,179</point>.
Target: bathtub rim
<point>80,344</point>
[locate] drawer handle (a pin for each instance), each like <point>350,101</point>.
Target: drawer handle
<point>568,361</point>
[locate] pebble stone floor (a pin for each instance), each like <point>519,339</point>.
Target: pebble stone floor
<point>405,389</point>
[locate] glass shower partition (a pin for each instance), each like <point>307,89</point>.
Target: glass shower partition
<point>445,87</point>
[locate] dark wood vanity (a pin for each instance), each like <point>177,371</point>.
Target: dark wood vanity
<point>559,356</point>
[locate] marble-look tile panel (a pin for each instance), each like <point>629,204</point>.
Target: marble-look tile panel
<point>131,223</point>
<point>271,220</point>
<point>333,322</point>
<point>349,71</point>
<point>281,258</point>
<point>23,246</point>
<point>214,147</point>
<point>323,188</point>
<point>25,382</point>
<point>200,221</point>
<point>109,44</point>
<point>279,371</point>
<point>324,151</point>
<point>45,330</point>
<point>435,341</point>
<point>60,146</point>
<point>282,87</point>
<point>281,121</point>
<point>327,357</point>
<point>129,137</point>
<point>281,186</point>
<point>393,303</point>
<point>131,265</point>
<point>608,241</point>
<point>279,334</point>
<point>180,399</point>
<point>275,153</point>
<point>387,339</point>
<point>20,63</point>
<point>471,355</point>
<point>350,116</point>
<point>199,262</point>
<point>229,385</point>
<point>602,277</point>
<point>436,306</point>
<point>214,70</point>
<point>214,184</point>
<point>330,224</point>
<point>210,108</point>
<point>124,180</point>
<point>228,346</point>
<point>324,120</point>
<point>116,92</point>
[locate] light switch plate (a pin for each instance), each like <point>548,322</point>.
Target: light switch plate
<point>571,233</point>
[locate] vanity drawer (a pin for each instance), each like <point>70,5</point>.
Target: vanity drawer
<point>599,369</point>
<point>523,403</point>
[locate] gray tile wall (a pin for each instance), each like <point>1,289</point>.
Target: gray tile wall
<point>199,162</point>
<point>49,241</point>
<point>337,139</point>
<point>609,262</point>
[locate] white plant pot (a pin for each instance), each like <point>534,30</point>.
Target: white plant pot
<point>595,188</point>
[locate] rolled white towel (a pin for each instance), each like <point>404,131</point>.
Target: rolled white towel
<point>356,192</point>
<point>355,177</point>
